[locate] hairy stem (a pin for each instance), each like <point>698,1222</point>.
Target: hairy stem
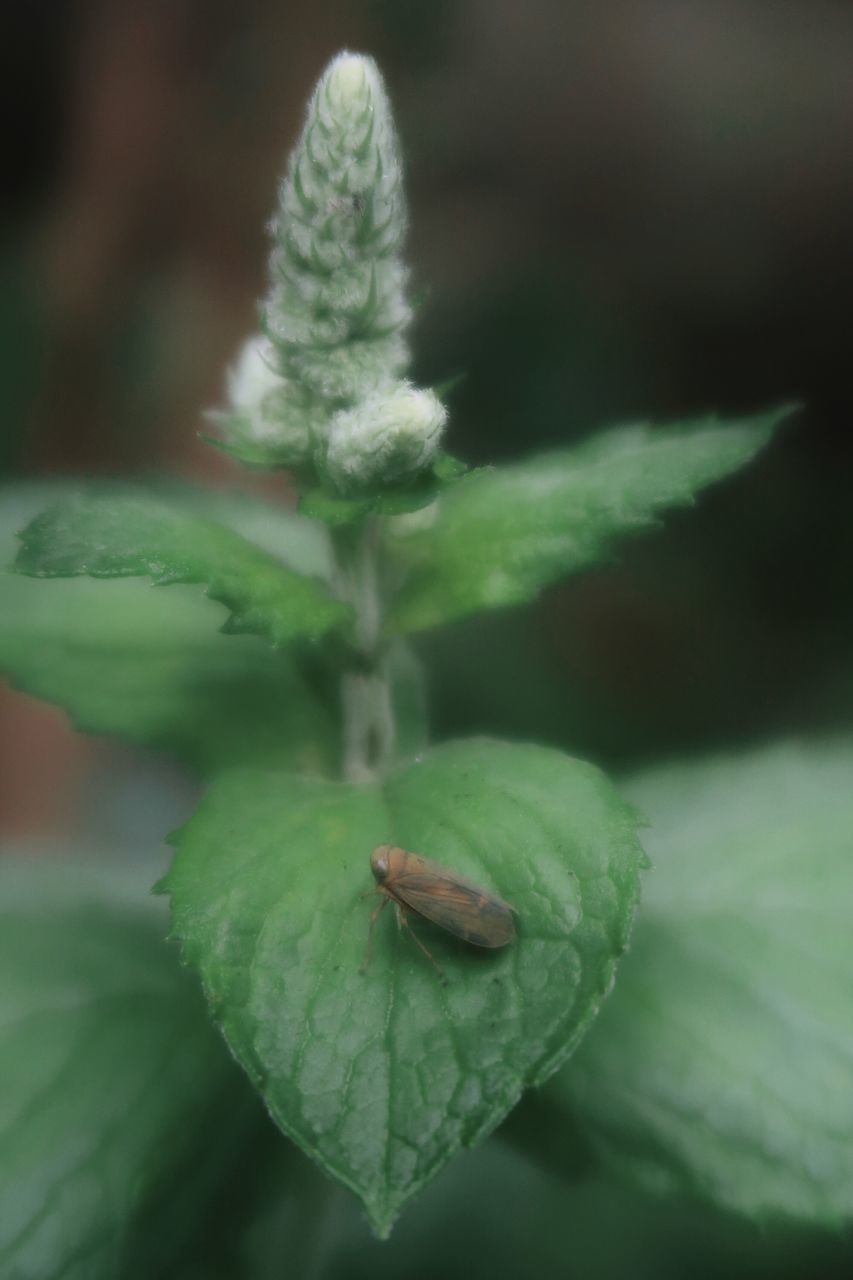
<point>368,716</point>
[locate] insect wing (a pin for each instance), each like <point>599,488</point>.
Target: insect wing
<point>463,908</point>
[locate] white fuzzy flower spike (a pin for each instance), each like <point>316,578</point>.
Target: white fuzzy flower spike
<point>337,312</point>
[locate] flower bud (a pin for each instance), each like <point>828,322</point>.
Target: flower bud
<point>388,438</point>
<point>268,419</point>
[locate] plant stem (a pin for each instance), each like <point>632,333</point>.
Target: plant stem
<point>368,715</point>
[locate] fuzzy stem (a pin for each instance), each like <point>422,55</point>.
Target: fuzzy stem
<point>368,714</point>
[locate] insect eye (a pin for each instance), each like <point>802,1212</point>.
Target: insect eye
<point>379,863</point>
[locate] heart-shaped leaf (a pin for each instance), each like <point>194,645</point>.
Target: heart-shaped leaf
<point>381,1076</point>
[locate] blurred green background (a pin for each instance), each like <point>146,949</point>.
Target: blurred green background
<point>630,209</point>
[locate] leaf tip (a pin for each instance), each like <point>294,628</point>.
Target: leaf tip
<point>381,1219</point>
<point>787,410</point>
<point>765,425</point>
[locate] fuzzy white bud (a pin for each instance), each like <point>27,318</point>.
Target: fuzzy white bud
<point>251,377</point>
<point>389,437</point>
<point>268,418</point>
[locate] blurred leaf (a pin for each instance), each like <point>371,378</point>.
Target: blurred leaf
<point>163,677</point>
<point>120,1111</point>
<point>409,700</point>
<point>724,1061</point>
<point>382,1076</point>
<point>494,1215</point>
<point>126,535</point>
<point>152,667</point>
<point>255,456</point>
<point>302,544</point>
<point>500,535</point>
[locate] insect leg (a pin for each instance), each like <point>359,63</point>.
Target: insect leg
<point>402,921</point>
<point>373,918</point>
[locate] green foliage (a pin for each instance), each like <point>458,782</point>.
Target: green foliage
<point>408,692</point>
<point>255,456</point>
<point>121,535</point>
<point>156,674</point>
<point>391,500</point>
<point>153,667</point>
<point>500,535</point>
<point>723,1062</point>
<point>120,1112</point>
<point>381,1076</point>
<point>494,1215</point>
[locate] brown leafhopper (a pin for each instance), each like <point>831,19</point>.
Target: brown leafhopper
<point>440,895</point>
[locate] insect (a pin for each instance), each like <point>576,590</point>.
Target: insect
<point>463,908</point>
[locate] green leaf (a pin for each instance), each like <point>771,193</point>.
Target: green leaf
<point>303,545</point>
<point>724,1061</point>
<point>120,1112</point>
<point>501,535</point>
<point>496,1216</point>
<point>324,504</point>
<point>152,668</point>
<point>257,457</point>
<point>382,1076</point>
<point>156,674</point>
<point>123,535</point>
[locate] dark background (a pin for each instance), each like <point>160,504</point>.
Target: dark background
<point>630,209</point>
